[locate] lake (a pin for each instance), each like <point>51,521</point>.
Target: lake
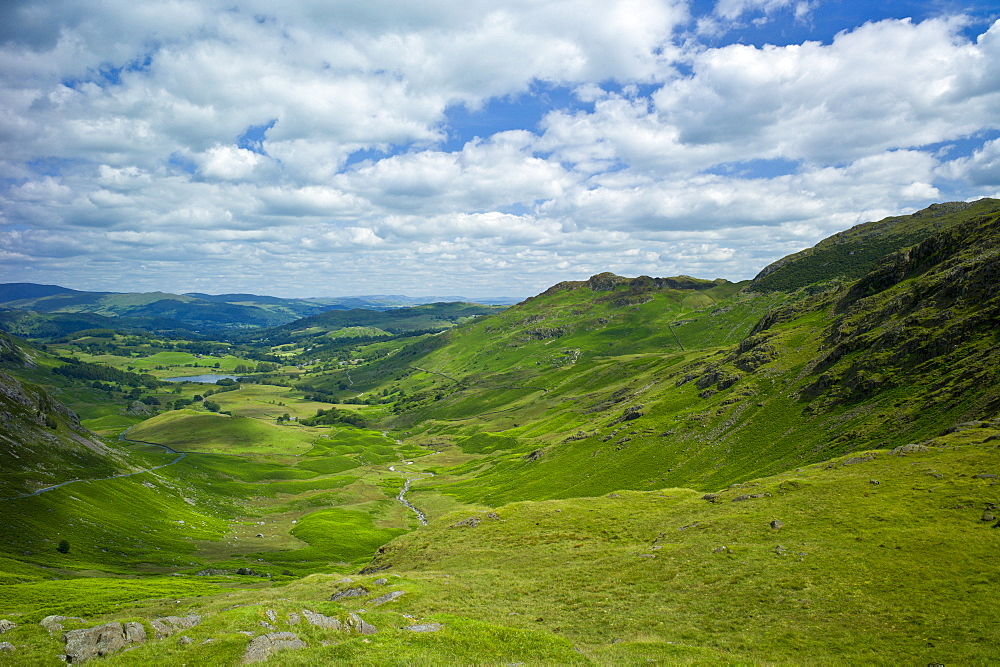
<point>204,379</point>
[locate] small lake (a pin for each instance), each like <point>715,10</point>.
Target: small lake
<point>204,379</point>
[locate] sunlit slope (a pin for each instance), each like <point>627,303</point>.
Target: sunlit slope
<point>675,573</point>
<point>852,253</point>
<point>41,441</point>
<point>894,357</point>
<point>878,557</point>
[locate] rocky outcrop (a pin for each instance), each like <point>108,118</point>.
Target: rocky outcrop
<point>168,625</point>
<point>102,640</point>
<point>321,621</point>
<point>261,648</point>
<point>54,623</point>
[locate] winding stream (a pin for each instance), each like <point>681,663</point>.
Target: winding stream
<point>402,495</point>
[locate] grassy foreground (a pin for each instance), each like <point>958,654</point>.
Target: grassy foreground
<point>669,576</point>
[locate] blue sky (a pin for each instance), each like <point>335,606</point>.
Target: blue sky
<point>480,148</point>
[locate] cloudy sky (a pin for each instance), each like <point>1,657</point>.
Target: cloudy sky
<point>475,147</point>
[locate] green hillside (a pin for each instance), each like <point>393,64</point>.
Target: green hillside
<point>799,469</point>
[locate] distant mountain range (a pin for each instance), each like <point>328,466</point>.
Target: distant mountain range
<point>30,309</point>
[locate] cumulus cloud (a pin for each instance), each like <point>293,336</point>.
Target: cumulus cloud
<point>314,138</point>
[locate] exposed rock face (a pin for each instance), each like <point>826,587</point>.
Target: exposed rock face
<point>382,599</point>
<point>424,627</point>
<point>54,623</point>
<point>6,625</point>
<point>262,647</point>
<point>356,592</point>
<point>168,625</point>
<point>356,624</point>
<point>102,640</point>
<point>321,621</point>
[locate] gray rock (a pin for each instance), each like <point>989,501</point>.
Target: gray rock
<point>989,516</point>
<point>710,497</point>
<point>750,496</point>
<point>271,615</point>
<point>54,623</point>
<point>6,646</point>
<point>424,627</point>
<point>382,599</point>
<point>356,624</point>
<point>911,448</point>
<point>984,475</point>
<point>356,592</point>
<point>777,525</point>
<point>293,618</point>
<point>381,581</point>
<point>168,625</point>
<point>87,643</point>
<point>6,625</point>
<point>184,640</point>
<point>135,632</point>
<point>471,522</point>
<point>262,647</point>
<point>720,550</point>
<point>780,550</point>
<point>321,621</point>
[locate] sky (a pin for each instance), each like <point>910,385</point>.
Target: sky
<point>474,147</point>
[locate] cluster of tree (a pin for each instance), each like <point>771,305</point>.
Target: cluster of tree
<point>335,416</point>
<point>82,370</point>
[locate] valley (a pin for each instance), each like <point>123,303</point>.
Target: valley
<point>795,469</point>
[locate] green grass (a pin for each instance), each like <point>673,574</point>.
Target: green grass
<point>209,432</point>
<point>30,602</point>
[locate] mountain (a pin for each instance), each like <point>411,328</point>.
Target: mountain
<point>850,254</point>
<point>433,317</point>
<point>800,468</point>
<point>41,441</point>
<point>617,383</point>
<point>58,311</point>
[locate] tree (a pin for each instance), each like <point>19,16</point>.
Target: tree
<point>63,547</point>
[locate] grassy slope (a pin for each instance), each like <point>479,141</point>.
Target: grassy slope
<point>846,369</point>
<point>634,576</point>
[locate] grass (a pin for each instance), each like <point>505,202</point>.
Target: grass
<point>215,433</point>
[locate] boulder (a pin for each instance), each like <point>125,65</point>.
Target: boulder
<point>87,643</point>
<point>777,525</point>
<point>261,648</point>
<point>321,621</point>
<point>424,627</point>
<point>382,599</point>
<point>54,623</point>
<point>168,625</point>
<point>6,646</point>
<point>356,592</point>
<point>356,624</point>
<point>6,625</point>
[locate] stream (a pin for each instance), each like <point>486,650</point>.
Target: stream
<point>402,495</point>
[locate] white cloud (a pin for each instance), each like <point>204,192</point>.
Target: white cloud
<point>122,139</point>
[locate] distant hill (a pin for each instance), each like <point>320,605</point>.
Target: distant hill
<point>162,311</point>
<point>433,317</point>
